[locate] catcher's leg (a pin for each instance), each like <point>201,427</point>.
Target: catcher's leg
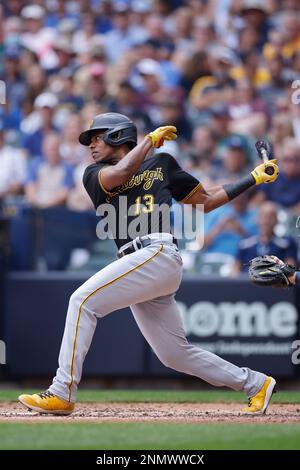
<point>160,322</point>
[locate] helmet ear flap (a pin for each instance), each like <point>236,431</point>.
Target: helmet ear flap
<point>122,134</point>
<point>116,136</point>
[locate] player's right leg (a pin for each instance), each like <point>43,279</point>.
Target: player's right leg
<point>160,322</point>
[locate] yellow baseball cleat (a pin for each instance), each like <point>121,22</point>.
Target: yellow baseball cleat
<point>258,404</point>
<point>46,402</point>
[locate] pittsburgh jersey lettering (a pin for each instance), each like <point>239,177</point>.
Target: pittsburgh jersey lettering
<point>158,180</point>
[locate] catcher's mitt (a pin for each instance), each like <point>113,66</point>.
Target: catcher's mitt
<point>270,271</point>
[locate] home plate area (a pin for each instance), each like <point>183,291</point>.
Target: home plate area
<point>155,412</point>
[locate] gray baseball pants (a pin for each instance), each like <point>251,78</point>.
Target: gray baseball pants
<point>145,280</point>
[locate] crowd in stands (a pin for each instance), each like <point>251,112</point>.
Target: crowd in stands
<point>224,72</point>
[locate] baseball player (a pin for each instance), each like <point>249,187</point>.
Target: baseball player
<point>148,270</point>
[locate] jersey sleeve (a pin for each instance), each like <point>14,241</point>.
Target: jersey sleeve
<point>183,185</point>
<point>92,183</point>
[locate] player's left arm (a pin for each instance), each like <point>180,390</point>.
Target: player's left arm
<point>213,197</point>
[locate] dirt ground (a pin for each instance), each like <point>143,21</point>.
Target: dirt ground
<point>153,412</point>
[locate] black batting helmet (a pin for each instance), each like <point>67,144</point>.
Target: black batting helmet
<point>119,129</point>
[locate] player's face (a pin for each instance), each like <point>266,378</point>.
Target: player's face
<point>100,151</point>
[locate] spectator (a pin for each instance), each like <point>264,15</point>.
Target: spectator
<point>42,120</point>
<point>248,112</point>
<point>64,55</point>
<point>15,86</point>
<point>150,86</point>
<point>245,102</point>
<point>13,168</point>
<point>70,149</point>
<point>36,37</point>
<point>248,40</point>
<point>78,199</point>
<point>35,82</point>
<point>234,163</point>
<point>49,180</point>
<point>127,101</point>
<point>181,27</point>
<point>95,54</point>
<point>219,86</point>
<point>286,191</point>
<point>172,110</point>
<point>266,242</point>
<point>151,77</point>
<point>192,67</point>
<point>221,126</point>
<point>251,71</point>
<point>289,29</point>
<point>281,129</point>
<point>59,12</point>
<point>255,14</point>
<point>279,76</point>
<point>96,91</point>
<point>155,29</point>
<point>203,33</point>
<point>225,228</point>
<point>82,37</point>
<point>64,86</point>
<point>123,35</point>
<point>202,153</point>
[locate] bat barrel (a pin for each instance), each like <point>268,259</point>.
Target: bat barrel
<point>262,152</point>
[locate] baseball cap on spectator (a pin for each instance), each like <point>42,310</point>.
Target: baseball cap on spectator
<point>120,7</point>
<point>152,42</point>
<point>45,100</point>
<point>66,26</point>
<point>234,142</point>
<point>253,5</point>
<point>33,12</point>
<point>64,45</point>
<point>141,6</point>
<point>96,47</point>
<point>149,67</point>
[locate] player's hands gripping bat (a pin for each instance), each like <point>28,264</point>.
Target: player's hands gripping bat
<point>268,171</point>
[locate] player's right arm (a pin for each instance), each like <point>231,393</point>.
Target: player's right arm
<point>115,175</point>
<point>217,196</point>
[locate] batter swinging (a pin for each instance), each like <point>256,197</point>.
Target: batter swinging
<point>148,270</point>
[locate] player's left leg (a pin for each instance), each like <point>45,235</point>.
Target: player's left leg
<point>137,277</point>
<point>160,322</point>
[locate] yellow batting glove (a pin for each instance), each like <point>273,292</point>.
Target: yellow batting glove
<point>260,175</point>
<point>161,134</point>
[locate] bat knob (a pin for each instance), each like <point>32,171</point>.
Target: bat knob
<point>269,170</point>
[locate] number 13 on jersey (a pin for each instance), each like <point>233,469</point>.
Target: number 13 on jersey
<point>144,204</point>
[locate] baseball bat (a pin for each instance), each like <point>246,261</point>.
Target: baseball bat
<point>264,151</point>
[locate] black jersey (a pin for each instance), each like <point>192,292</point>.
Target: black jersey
<point>142,204</point>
